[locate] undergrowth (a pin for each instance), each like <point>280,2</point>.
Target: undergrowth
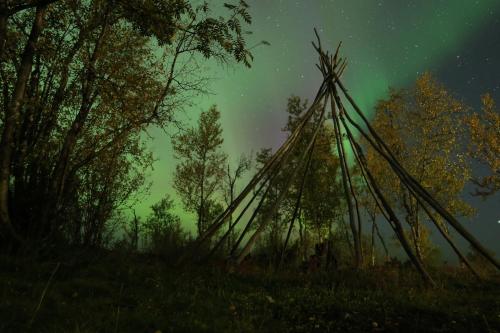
<point>117,292</point>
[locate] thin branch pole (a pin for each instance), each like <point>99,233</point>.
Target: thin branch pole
<point>446,236</point>
<point>270,213</point>
<point>349,179</point>
<point>238,219</point>
<point>297,203</point>
<point>368,185</point>
<point>42,296</point>
<point>284,149</point>
<point>400,232</point>
<point>398,228</point>
<point>250,221</point>
<point>247,228</point>
<point>380,237</point>
<point>451,242</point>
<point>270,178</point>
<point>374,197</point>
<point>343,167</point>
<point>327,67</point>
<point>372,245</point>
<point>346,234</point>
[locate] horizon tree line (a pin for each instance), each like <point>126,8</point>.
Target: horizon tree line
<point>424,125</point>
<point>83,81</point>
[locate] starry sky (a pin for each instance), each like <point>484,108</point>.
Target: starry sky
<point>387,43</point>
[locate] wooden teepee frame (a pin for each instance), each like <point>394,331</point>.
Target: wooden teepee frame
<point>331,89</point>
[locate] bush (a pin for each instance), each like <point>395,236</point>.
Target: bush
<point>164,235</point>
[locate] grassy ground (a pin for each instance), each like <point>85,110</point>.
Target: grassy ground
<point>113,292</point>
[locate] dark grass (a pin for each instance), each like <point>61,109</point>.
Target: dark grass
<point>116,292</point>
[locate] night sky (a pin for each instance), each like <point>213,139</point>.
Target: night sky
<point>387,43</point>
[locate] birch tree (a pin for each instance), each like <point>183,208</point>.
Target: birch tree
<point>484,145</point>
<point>201,168</point>
<point>423,128</point>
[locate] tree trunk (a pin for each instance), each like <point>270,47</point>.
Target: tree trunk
<point>201,209</point>
<point>231,233</point>
<point>77,125</point>
<point>372,250</point>
<point>418,242</point>
<point>58,178</point>
<point>11,119</point>
<point>379,235</point>
<point>60,93</point>
<point>135,239</point>
<point>3,27</point>
<point>301,238</point>
<point>414,223</point>
<point>393,220</point>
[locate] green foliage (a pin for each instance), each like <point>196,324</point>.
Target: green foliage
<point>100,74</point>
<point>163,230</point>
<point>484,145</point>
<point>317,211</point>
<point>322,197</point>
<point>422,127</point>
<point>152,18</point>
<point>201,168</point>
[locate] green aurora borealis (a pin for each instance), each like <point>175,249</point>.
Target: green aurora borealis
<point>387,43</point>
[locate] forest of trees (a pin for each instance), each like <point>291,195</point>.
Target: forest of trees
<point>423,125</point>
<point>82,81</point>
